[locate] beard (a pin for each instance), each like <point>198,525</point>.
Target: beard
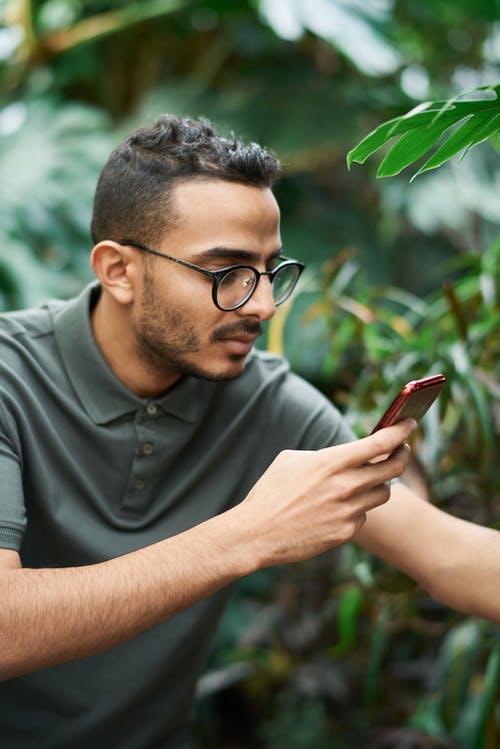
<point>165,338</point>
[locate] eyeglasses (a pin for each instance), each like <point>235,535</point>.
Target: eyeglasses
<point>233,286</point>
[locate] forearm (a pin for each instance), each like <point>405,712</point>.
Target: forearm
<point>456,562</point>
<point>50,616</point>
<point>468,570</point>
<point>305,503</point>
<point>471,585</point>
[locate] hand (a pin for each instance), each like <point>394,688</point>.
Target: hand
<point>310,501</point>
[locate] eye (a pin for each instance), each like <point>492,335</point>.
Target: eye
<point>273,263</point>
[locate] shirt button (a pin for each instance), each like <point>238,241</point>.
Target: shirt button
<point>140,484</point>
<point>152,409</point>
<point>147,448</point>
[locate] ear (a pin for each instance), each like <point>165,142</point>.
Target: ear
<point>116,267</point>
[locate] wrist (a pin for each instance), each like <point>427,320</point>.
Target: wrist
<point>239,542</point>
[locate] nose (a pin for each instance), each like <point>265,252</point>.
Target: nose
<point>261,303</point>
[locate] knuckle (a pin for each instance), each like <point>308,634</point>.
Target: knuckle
<point>354,525</point>
<point>379,442</point>
<point>349,528</point>
<point>402,459</point>
<point>292,456</point>
<point>287,458</point>
<point>386,492</point>
<point>380,495</point>
<point>399,466</point>
<point>341,490</point>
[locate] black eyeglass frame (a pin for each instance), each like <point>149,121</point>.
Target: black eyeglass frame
<point>217,276</point>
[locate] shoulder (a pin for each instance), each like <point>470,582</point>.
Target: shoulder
<point>31,323</point>
<point>288,403</point>
<point>21,336</point>
<point>28,353</point>
<point>272,374</point>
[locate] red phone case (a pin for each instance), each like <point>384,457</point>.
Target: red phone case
<point>413,400</point>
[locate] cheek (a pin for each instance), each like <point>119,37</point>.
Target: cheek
<point>191,296</point>
<point>179,307</point>
<point>183,288</point>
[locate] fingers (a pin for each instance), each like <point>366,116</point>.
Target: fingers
<point>370,482</point>
<point>383,442</point>
<point>356,509</point>
<point>375,497</point>
<point>391,467</point>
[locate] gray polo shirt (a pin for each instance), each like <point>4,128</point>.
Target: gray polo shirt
<point>90,471</point>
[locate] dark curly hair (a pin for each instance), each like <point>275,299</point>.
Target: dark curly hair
<point>133,197</point>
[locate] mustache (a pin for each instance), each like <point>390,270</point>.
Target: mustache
<point>245,327</point>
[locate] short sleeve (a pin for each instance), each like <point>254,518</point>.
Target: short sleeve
<point>12,507</point>
<point>298,415</point>
<point>323,424</point>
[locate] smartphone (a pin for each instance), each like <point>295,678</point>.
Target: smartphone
<point>413,400</point>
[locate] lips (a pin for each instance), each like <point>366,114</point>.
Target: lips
<point>238,344</point>
<point>237,339</point>
<point>241,338</point>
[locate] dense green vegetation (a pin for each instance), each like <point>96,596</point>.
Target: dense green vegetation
<point>403,279</point>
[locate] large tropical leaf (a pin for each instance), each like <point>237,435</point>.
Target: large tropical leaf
<point>50,157</point>
<point>353,27</point>
<point>455,125</point>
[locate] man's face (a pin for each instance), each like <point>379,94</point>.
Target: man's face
<point>178,328</point>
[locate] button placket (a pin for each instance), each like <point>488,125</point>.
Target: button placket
<point>147,448</point>
<point>143,466</point>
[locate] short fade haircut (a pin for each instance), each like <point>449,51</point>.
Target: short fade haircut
<point>133,198</point>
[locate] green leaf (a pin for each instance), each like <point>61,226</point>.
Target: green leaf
<point>410,147</point>
<point>488,699</point>
<point>479,709</point>
<point>480,404</point>
<point>457,666</point>
<point>473,131</point>
<point>383,133</point>
<point>422,127</point>
<point>349,610</point>
<point>378,649</point>
<point>424,115</point>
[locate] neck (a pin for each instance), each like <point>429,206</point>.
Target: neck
<point>114,334</point>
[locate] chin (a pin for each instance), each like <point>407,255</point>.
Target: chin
<point>228,372</point>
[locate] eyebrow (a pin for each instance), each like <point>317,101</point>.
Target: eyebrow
<point>231,253</point>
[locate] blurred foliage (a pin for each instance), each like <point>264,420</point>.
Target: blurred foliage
<point>372,337</point>
<point>402,280</point>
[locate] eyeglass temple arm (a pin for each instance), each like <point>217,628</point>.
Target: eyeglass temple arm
<point>185,263</point>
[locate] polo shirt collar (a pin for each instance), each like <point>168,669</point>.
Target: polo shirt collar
<point>101,393</point>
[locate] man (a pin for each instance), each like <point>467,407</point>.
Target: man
<point>149,457</point>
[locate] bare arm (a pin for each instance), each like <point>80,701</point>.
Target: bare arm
<point>305,503</point>
<point>457,562</point>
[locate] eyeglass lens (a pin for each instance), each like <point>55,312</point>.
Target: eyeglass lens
<point>284,283</point>
<point>235,287</point>
<point>238,285</point>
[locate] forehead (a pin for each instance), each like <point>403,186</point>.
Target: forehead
<point>220,213</point>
